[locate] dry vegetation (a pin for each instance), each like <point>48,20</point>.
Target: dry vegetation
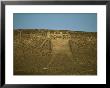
<point>34,53</point>
<point>84,49</point>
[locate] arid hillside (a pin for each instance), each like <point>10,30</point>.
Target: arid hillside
<point>54,52</point>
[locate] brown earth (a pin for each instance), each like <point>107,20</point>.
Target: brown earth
<point>35,54</point>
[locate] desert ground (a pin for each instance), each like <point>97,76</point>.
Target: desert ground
<point>54,52</point>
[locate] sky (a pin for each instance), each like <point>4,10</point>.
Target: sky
<point>56,21</point>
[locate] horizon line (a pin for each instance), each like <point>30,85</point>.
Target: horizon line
<point>50,29</point>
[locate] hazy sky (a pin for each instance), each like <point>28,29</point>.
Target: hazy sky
<point>72,21</point>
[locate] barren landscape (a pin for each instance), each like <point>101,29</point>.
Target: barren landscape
<point>54,52</point>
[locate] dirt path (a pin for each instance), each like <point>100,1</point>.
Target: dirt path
<point>61,52</point>
<point>61,46</point>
